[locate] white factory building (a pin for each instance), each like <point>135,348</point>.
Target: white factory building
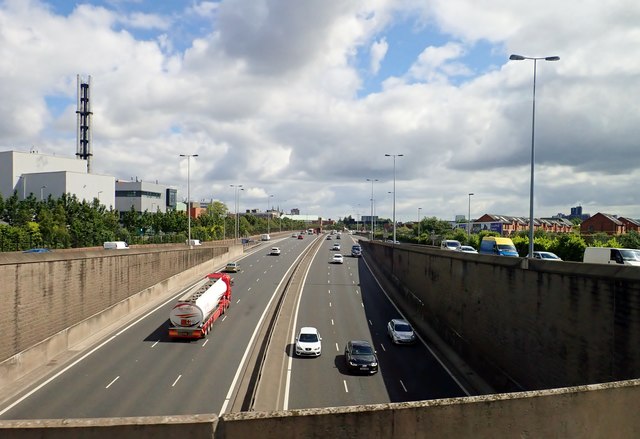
<point>43,175</point>
<point>144,196</point>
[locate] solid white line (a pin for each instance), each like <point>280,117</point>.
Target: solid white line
<point>402,384</point>
<point>227,399</point>
<point>154,345</point>
<point>114,380</point>
<point>44,383</point>
<point>177,379</point>
<point>346,389</point>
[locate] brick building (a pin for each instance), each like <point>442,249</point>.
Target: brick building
<point>603,223</point>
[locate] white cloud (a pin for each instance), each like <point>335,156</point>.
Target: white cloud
<point>270,95</point>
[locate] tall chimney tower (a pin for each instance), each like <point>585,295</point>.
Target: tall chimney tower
<point>83,134</point>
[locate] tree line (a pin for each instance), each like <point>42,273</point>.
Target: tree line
<point>67,222</point>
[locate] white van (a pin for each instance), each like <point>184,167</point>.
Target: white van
<point>265,237</point>
<point>610,255</point>
<point>193,242</point>
<point>115,245</point>
<point>450,244</point>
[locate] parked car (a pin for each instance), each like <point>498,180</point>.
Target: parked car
<point>450,244</point>
<point>547,256</point>
<point>232,267</point>
<point>308,342</point>
<point>337,259</point>
<point>400,331</point>
<point>360,356</point>
<point>275,251</point>
<point>467,249</point>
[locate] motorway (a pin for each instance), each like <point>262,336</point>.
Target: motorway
<point>137,371</point>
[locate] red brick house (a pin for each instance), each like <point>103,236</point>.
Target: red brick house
<point>602,223</point>
<point>512,224</point>
<point>630,224</point>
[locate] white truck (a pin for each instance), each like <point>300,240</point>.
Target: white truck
<point>610,255</point>
<point>200,306</point>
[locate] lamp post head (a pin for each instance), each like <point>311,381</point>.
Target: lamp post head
<point>552,58</point>
<point>516,57</point>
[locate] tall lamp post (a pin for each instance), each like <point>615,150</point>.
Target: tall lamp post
<point>236,187</point>
<point>419,209</point>
<point>394,192</point>
<point>372,180</point>
<point>42,188</point>
<point>268,215</point>
<point>188,156</point>
<point>469,218</point>
<point>533,132</point>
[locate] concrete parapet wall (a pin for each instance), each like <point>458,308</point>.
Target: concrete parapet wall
<point>601,410</point>
<point>524,324</point>
<point>67,297</point>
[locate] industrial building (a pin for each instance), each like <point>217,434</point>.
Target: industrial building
<point>144,196</point>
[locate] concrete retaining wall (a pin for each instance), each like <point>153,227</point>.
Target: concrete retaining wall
<point>522,324</point>
<point>54,301</point>
<point>596,411</point>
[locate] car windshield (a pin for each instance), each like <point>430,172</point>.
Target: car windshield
<point>630,255</point>
<point>507,247</point>
<point>403,327</point>
<point>308,338</point>
<point>362,350</point>
<point>548,256</point>
<point>452,244</point>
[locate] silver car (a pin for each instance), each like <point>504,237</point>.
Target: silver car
<point>401,332</point>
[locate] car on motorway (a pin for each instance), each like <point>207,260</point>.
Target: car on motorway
<point>356,250</point>
<point>294,235</point>
<point>360,356</point>
<point>37,250</point>
<point>338,236</point>
<point>400,331</point>
<point>275,251</point>
<point>308,342</point>
<point>467,249</point>
<point>329,238</point>
<point>300,236</point>
<point>547,256</point>
<point>232,267</point>
<point>336,246</point>
<point>337,259</point>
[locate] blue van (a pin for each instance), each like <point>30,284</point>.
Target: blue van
<point>495,245</point>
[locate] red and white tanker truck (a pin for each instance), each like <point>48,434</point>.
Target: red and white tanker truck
<point>200,306</point>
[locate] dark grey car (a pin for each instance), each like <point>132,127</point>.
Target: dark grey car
<point>360,357</point>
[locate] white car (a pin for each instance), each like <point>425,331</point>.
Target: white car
<point>275,251</point>
<point>400,332</point>
<point>547,256</point>
<point>336,247</point>
<point>467,249</point>
<point>308,342</point>
<point>337,259</point>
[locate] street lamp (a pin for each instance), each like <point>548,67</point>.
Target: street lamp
<point>188,156</point>
<point>372,180</point>
<point>236,187</point>
<point>268,215</point>
<point>42,188</point>
<point>469,218</point>
<point>394,192</point>
<point>419,209</point>
<point>99,192</point>
<point>533,132</point>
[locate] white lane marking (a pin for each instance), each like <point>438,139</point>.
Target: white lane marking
<point>176,381</point>
<point>402,384</point>
<point>362,303</point>
<point>382,347</point>
<point>205,342</point>
<point>337,348</point>
<point>328,281</point>
<point>332,324</point>
<point>257,280</point>
<point>346,389</point>
<point>248,289</point>
<point>227,399</point>
<point>329,304</point>
<point>357,292</point>
<point>423,342</point>
<point>113,381</point>
<point>154,345</point>
<point>265,271</point>
<point>238,301</point>
<point>370,322</point>
<point>44,383</point>
<point>329,291</point>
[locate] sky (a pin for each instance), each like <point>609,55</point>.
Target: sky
<point>300,102</point>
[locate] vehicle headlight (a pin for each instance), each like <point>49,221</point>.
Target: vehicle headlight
<point>374,364</point>
<point>352,363</point>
